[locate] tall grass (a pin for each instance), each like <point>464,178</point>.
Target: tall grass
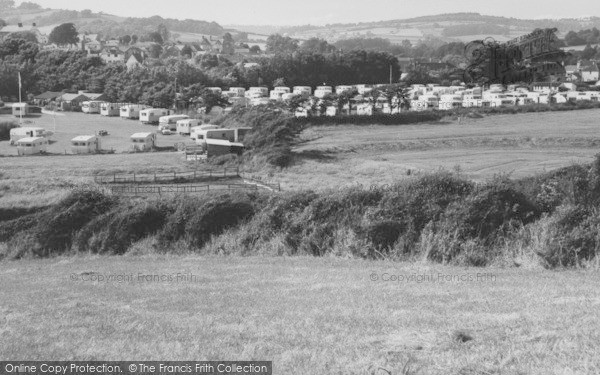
<point>552,220</point>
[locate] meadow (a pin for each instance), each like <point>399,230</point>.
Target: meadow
<point>308,315</point>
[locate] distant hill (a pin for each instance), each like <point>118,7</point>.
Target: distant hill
<point>110,25</point>
<point>447,27</point>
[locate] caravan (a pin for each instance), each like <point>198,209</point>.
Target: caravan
<point>132,111</point>
<point>92,106</point>
<point>85,144</point>
<point>152,115</point>
<point>109,109</point>
<point>170,122</point>
<point>25,132</point>
<point>184,126</point>
<point>20,109</point>
<point>31,145</point>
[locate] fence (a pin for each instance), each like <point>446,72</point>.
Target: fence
<point>178,189</point>
<point>135,178</point>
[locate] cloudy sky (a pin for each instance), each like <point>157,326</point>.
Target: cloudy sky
<point>320,12</point>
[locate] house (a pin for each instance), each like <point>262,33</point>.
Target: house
<point>19,28</point>
<point>112,55</point>
<point>134,61</point>
<point>68,101</point>
<point>590,73</point>
<point>100,97</point>
<point>85,144</point>
<point>46,97</point>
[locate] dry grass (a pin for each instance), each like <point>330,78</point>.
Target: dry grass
<point>522,145</point>
<point>310,316</point>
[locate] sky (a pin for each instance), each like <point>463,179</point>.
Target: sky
<point>321,12</point>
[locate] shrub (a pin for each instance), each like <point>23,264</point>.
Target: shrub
<point>116,230</point>
<point>485,215</point>
<point>56,227</point>
<point>5,127</point>
<point>213,217</point>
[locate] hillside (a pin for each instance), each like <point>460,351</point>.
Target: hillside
<point>109,25</point>
<point>448,27</point>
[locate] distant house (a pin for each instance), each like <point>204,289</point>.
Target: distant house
<point>19,28</point>
<point>95,96</point>
<point>590,73</point>
<point>68,101</point>
<point>112,55</point>
<point>46,97</point>
<point>134,61</point>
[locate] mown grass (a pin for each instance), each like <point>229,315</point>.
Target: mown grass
<point>307,315</point>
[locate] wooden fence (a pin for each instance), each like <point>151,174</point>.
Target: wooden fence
<point>178,189</point>
<point>175,177</point>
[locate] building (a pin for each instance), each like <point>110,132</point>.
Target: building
<point>68,101</point>
<point>112,55</point>
<point>590,72</point>
<point>46,97</point>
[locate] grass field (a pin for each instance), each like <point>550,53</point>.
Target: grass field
<point>308,315</point>
<point>519,145</point>
<point>71,124</point>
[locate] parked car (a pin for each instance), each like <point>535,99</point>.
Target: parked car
<point>166,132</point>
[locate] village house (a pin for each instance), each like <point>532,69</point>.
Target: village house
<point>112,55</point>
<point>590,72</point>
<point>46,97</point>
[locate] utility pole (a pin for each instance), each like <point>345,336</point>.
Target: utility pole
<point>390,74</point>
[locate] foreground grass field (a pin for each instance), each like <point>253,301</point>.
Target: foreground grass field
<point>308,315</point>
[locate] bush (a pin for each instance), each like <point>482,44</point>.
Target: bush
<point>116,231</point>
<point>56,226</point>
<point>484,216</point>
<point>214,217</point>
<point>5,127</point>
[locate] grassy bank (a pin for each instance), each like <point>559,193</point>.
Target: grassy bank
<point>551,221</point>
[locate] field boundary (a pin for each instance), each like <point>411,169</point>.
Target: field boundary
<point>179,189</point>
<point>175,177</point>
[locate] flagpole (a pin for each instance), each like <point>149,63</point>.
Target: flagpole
<point>20,104</point>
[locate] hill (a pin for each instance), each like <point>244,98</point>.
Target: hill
<point>447,27</point>
<point>109,25</point>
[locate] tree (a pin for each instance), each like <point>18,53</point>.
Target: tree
<point>134,39</point>
<point>277,43</point>
<point>64,34</point>
<point>228,44</point>
<point>126,39</point>
<point>7,4</point>
<point>26,5</point>
<point>2,23</point>
<point>317,45</point>
<point>155,50</point>
<point>163,32</point>
<point>86,13</point>
<point>186,51</point>
<point>210,99</point>
<point>154,37</point>
<point>255,50</point>
<point>588,52</point>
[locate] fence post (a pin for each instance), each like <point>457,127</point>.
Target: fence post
<point>114,177</point>
<point>134,177</point>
